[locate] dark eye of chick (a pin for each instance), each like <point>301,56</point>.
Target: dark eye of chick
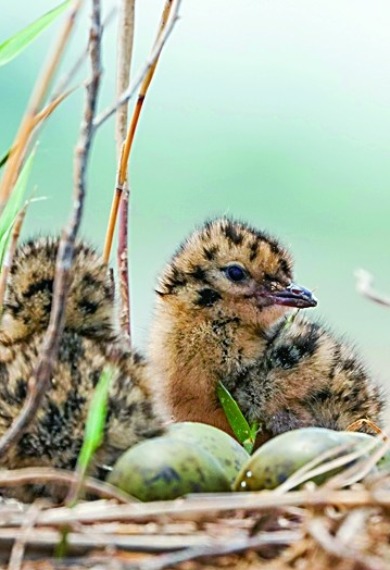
<point>235,273</point>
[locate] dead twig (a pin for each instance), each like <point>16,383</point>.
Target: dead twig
<point>43,475</point>
<point>329,460</point>
<point>38,384</point>
<point>179,548</point>
<point>364,285</point>
<point>122,175</point>
<point>123,264</point>
<point>332,545</point>
<point>220,548</point>
<point>126,38</point>
<point>124,145</point>
<point>95,539</point>
<point>17,553</point>
<point>65,80</point>
<point>8,258</point>
<point>208,507</point>
<point>168,20</point>
<point>125,52</point>
<point>131,91</point>
<point>45,113</point>
<point>361,469</point>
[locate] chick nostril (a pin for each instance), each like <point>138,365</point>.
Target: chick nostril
<point>296,290</point>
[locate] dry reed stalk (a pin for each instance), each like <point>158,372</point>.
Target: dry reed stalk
<point>38,384</point>
<point>28,124</point>
<point>43,475</point>
<point>364,285</point>
<point>126,39</point>
<point>209,507</point>
<point>8,258</point>
<point>131,91</point>
<point>18,549</point>
<point>170,16</point>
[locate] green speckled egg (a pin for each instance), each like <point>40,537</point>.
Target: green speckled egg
<point>165,468</point>
<point>280,457</point>
<point>384,463</point>
<point>230,454</point>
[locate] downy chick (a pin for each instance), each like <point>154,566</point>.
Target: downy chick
<point>222,314</point>
<point>56,434</point>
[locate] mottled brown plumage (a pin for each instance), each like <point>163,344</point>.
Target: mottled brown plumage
<point>55,436</point>
<point>222,314</point>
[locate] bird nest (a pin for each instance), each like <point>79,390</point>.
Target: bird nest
<point>319,528</point>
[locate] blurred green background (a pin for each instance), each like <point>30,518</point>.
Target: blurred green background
<point>273,111</point>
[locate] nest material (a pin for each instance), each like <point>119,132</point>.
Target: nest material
<point>314,529</point>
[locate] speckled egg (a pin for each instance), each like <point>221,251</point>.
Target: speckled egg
<point>165,468</point>
<point>226,450</point>
<point>280,457</point>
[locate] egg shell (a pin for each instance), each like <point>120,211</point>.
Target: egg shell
<point>226,450</point>
<point>280,457</point>
<point>164,468</point>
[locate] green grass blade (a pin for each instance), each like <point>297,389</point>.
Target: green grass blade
<point>245,433</point>
<point>14,45</point>
<point>14,204</point>
<point>96,420</point>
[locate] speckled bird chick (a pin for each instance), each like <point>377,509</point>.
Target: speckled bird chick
<point>55,436</point>
<point>221,314</point>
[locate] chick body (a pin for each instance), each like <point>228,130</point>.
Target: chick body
<point>90,338</point>
<point>210,328</point>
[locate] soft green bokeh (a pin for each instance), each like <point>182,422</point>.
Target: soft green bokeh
<point>277,112</point>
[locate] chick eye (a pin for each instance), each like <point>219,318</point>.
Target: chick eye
<point>235,273</point>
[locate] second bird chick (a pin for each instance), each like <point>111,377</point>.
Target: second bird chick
<point>222,315</point>
<point>55,436</point>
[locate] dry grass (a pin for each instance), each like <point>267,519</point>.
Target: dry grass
<point>314,528</point>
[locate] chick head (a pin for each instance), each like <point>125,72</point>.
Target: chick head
<point>229,268</point>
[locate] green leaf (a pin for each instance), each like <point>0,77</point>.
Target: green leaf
<point>14,45</point>
<point>96,420</point>
<point>245,433</point>
<point>14,204</point>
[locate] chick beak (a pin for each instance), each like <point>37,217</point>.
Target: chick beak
<point>292,296</point>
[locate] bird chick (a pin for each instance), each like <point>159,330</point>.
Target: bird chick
<point>55,436</point>
<point>222,315</point>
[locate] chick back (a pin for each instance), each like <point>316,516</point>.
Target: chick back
<point>90,342</point>
<point>307,377</point>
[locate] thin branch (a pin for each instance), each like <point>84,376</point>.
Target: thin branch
<point>154,543</point>
<point>123,265</point>
<point>65,80</point>
<point>169,4</point>
<point>168,20</point>
<point>125,52</point>
<point>39,383</point>
<point>17,553</point>
<point>44,114</point>
<point>327,461</point>
<point>28,125</point>
<point>44,475</point>
<point>126,38</point>
<point>362,468</point>
<point>317,529</point>
<point>221,548</point>
<point>122,188</point>
<point>203,507</point>
<point>9,256</point>
<point>364,285</point>
<point>131,91</point>
<point>52,105</point>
